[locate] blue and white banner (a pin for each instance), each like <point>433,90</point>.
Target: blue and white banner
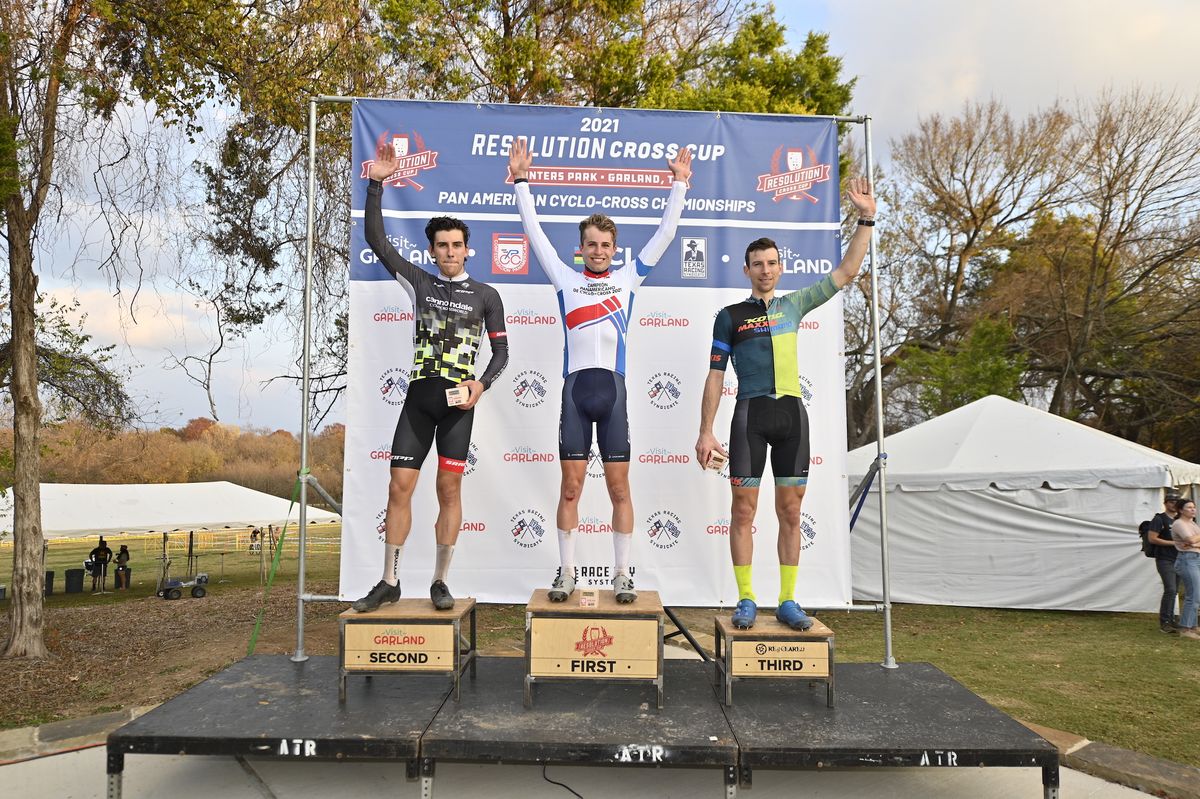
<point>752,176</point>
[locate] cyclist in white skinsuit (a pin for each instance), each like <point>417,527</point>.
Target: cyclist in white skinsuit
<point>595,306</point>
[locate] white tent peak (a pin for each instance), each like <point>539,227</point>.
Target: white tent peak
<point>996,441</point>
<point>86,509</point>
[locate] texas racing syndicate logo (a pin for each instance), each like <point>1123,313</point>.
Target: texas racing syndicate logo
<point>664,529</point>
<point>525,454</point>
<point>530,388</point>
<point>808,530</point>
<point>412,157</point>
<point>528,527</point>
<point>595,466</point>
<point>391,314</point>
<point>659,456</point>
<point>381,525</point>
<point>794,179</point>
<point>661,319</point>
<point>593,641</point>
<point>393,386</point>
<point>806,392</point>
<point>472,459</point>
<point>510,254</point>
<point>693,258</point>
<point>663,390</point>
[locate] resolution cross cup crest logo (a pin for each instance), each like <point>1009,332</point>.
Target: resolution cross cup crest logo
<point>791,179</point>
<point>412,157</point>
<point>593,641</point>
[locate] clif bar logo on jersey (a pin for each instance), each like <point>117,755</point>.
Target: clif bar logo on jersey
<point>663,390</point>
<point>510,254</point>
<point>393,386</point>
<point>593,642</point>
<point>595,465</point>
<point>661,319</point>
<point>392,314</point>
<point>472,459</point>
<point>664,529</point>
<point>530,388</point>
<point>412,157</point>
<point>790,178</point>
<point>808,530</point>
<point>528,528</point>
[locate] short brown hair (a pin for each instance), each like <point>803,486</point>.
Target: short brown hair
<point>760,244</point>
<point>600,222</point>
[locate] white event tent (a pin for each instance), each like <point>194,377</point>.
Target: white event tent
<point>70,510</point>
<point>996,504</point>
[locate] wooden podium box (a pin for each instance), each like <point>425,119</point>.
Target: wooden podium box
<point>407,636</point>
<point>608,641</point>
<point>774,651</point>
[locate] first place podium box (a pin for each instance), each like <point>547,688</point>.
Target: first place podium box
<point>405,637</point>
<point>607,641</point>
<point>771,650</point>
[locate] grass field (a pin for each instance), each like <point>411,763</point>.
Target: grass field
<point>1110,677</point>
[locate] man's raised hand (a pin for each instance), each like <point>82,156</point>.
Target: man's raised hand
<point>385,162</point>
<point>858,191</point>
<point>519,160</point>
<point>681,164</point>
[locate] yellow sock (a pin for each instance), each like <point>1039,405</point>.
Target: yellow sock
<point>742,575</point>
<point>787,582</point>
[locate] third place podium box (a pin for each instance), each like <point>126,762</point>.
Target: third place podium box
<point>770,650</point>
<point>565,641</point>
<point>407,636</point>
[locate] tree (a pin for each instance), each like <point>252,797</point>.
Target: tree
<point>983,364</point>
<point>68,68</point>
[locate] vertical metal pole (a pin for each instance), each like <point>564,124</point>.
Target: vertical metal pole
<point>889,661</point>
<point>298,656</point>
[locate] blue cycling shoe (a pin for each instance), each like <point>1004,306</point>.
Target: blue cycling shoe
<point>790,614</point>
<point>744,615</point>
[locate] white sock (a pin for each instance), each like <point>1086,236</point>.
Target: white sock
<point>621,544</point>
<point>392,553</point>
<point>566,550</point>
<point>442,562</point>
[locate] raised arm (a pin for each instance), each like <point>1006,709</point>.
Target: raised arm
<point>858,191</point>
<point>681,172</point>
<point>399,267</point>
<point>519,161</point>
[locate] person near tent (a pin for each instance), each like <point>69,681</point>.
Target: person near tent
<point>1185,534</point>
<point>452,314</point>
<point>122,573</point>
<point>759,335</point>
<point>1159,536</point>
<point>596,304</point>
<point>100,556</point>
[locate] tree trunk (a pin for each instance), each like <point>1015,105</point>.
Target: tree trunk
<point>25,615</point>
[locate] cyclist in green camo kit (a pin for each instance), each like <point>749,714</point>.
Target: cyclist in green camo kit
<point>759,334</point>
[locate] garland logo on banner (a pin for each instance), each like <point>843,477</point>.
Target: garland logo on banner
<point>529,388</point>
<point>664,529</point>
<point>528,527</point>
<point>662,319</point>
<point>393,386</point>
<point>663,390</point>
<point>659,455</point>
<point>391,314</point>
<point>593,524</point>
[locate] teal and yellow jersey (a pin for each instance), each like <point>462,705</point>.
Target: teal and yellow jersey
<point>761,339</point>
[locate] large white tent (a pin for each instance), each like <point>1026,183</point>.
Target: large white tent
<point>997,504</point>
<point>77,510</point>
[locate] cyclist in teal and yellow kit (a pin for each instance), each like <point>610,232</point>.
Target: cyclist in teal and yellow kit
<point>759,333</point>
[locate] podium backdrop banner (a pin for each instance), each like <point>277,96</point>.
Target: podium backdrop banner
<point>752,176</point>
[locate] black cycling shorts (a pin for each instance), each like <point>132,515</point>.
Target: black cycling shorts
<point>593,396</point>
<point>425,416</point>
<point>779,423</point>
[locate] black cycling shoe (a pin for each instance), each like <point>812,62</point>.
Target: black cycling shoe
<point>382,592</point>
<point>440,595</point>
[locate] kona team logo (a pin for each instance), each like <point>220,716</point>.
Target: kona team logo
<point>693,259</point>
<point>381,525</point>
<point>808,530</point>
<point>527,316</point>
<point>593,642</point>
<point>525,454</point>
<point>664,529</point>
<point>663,390</point>
<point>392,314</point>
<point>393,386</point>
<point>510,254</point>
<point>806,392</point>
<point>660,319</point>
<point>530,388</point>
<point>595,466</point>
<point>589,525</point>
<point>789,177</point>
<point>660,456</point>
<point>528,528</point>
<point>412,158</point>
<point>472,459</point>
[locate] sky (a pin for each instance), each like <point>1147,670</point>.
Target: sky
<point>912,58</point>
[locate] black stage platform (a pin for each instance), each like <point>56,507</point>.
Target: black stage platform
<point>267,706</point>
